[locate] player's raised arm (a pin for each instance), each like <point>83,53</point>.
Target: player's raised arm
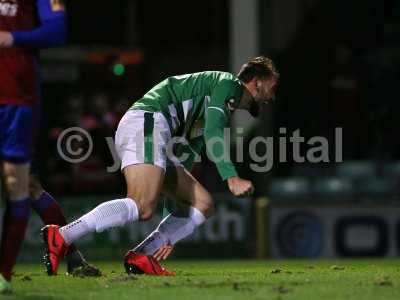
<point>52,31</point>
<point>216,120</point>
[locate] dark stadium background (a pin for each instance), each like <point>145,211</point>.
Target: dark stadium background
<point>339,64</point>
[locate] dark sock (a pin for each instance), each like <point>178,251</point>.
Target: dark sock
<point>14,227</point>
<point>49,210</point>
<point>75,260</point>
<point>51,213</point>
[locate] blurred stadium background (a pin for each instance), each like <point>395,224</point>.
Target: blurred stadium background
<point>339,63</point>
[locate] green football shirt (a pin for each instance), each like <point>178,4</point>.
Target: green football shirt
<point>195,106</point>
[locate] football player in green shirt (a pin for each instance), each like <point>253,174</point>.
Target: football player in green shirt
<point>193,109</point>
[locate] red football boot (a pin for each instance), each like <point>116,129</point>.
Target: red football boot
<point>136,263</point>
<point>55,248</point>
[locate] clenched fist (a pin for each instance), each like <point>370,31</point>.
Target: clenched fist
<point>240,187</point>
<point>6,39</point>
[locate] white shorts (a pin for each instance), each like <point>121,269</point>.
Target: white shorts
<point>142,138</point>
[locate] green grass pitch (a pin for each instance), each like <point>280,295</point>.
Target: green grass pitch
<point>251,279</point>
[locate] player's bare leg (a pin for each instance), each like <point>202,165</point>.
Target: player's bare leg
<point>16,178</point>
<point>50,212</point>
<point>147,199</point>
<point>183,187</point>
<point>144,183</point>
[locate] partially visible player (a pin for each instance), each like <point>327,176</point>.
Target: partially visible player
<point>50,212</point>
<point>25,27</point>
<point>195,106</point>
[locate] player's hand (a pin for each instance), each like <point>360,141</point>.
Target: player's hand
<point>6,39</point>
<point>240,187</point>
<point>163,252</point>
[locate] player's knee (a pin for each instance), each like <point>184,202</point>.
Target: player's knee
<point>146,210</point>
<point>144,206</point>
<point>11,184</point>
<point>146,214</point>
<point>14,186</point>
<point>209,210</point>
<point>206,206</point>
